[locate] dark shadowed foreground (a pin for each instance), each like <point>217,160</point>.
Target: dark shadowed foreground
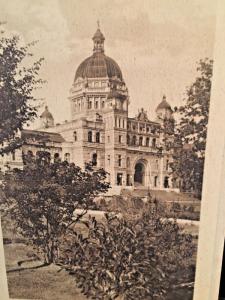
<point>49,282</point>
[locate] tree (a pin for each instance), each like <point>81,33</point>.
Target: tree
<point>191,130</point>
<point>42,199</point>
<point>128,259</point>
<point>17,84</point>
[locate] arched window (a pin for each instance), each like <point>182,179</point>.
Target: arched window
<point>147,142</point>
<point>67,157</point>
<point>94,159</point>
<point>97,137</point>
<point>75,136</point>
<point>30,153</point>
<point>128,139</point>
<point>90,136</point>
<point>140,140</point>
<point>167,165</point>
<point>134,140</point>
<point>56,157</point>
<point>27,158</point>
<point>43,157</point>
<point>154,143</point>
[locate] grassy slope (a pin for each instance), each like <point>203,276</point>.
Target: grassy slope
<point>50,283</point>
<point>43,283</point>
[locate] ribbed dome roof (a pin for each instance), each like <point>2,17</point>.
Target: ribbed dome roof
<point>164,104</point>
<point>98,65</point>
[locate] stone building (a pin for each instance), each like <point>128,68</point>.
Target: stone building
<point>100,130</point>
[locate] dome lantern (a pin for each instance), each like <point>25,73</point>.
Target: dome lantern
<point>98,40</point>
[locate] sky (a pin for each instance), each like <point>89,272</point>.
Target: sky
<point>156,43</point>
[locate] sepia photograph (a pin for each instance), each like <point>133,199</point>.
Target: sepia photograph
<point>104,113</point>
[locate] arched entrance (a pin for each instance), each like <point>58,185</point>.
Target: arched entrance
<point>139,175</point>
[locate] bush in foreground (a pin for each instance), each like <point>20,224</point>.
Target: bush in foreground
<point>124,259</point>
<point>42,198</point>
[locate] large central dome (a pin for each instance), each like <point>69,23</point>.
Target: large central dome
<point>98,65</point>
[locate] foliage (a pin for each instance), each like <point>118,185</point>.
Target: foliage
<point>191,130</point>
<point>128,259</point>
<point>17,84</point>
<point>42,198</point>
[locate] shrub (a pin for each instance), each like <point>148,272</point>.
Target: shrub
<point>127,259</point>
<point>42,198</point>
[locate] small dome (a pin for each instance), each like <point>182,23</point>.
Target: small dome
<point>46,114</point>
<point>164,104</point>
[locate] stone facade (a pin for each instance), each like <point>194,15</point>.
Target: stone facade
<point>100,130</point>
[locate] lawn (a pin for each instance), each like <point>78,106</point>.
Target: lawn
<point>51,283</point>
<point>44,283</point>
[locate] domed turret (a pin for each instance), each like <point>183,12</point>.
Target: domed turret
<point>164,110</point>
<point>47,119</point>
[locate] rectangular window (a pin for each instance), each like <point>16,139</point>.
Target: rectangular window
<point>119,179</point>
<point>167,165</point>
<point>108,138</point>
<point>120,139</point>
<point>13,155</point>
<point>108,159</point>
<point>119,160</point>
<point>89,105</point>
